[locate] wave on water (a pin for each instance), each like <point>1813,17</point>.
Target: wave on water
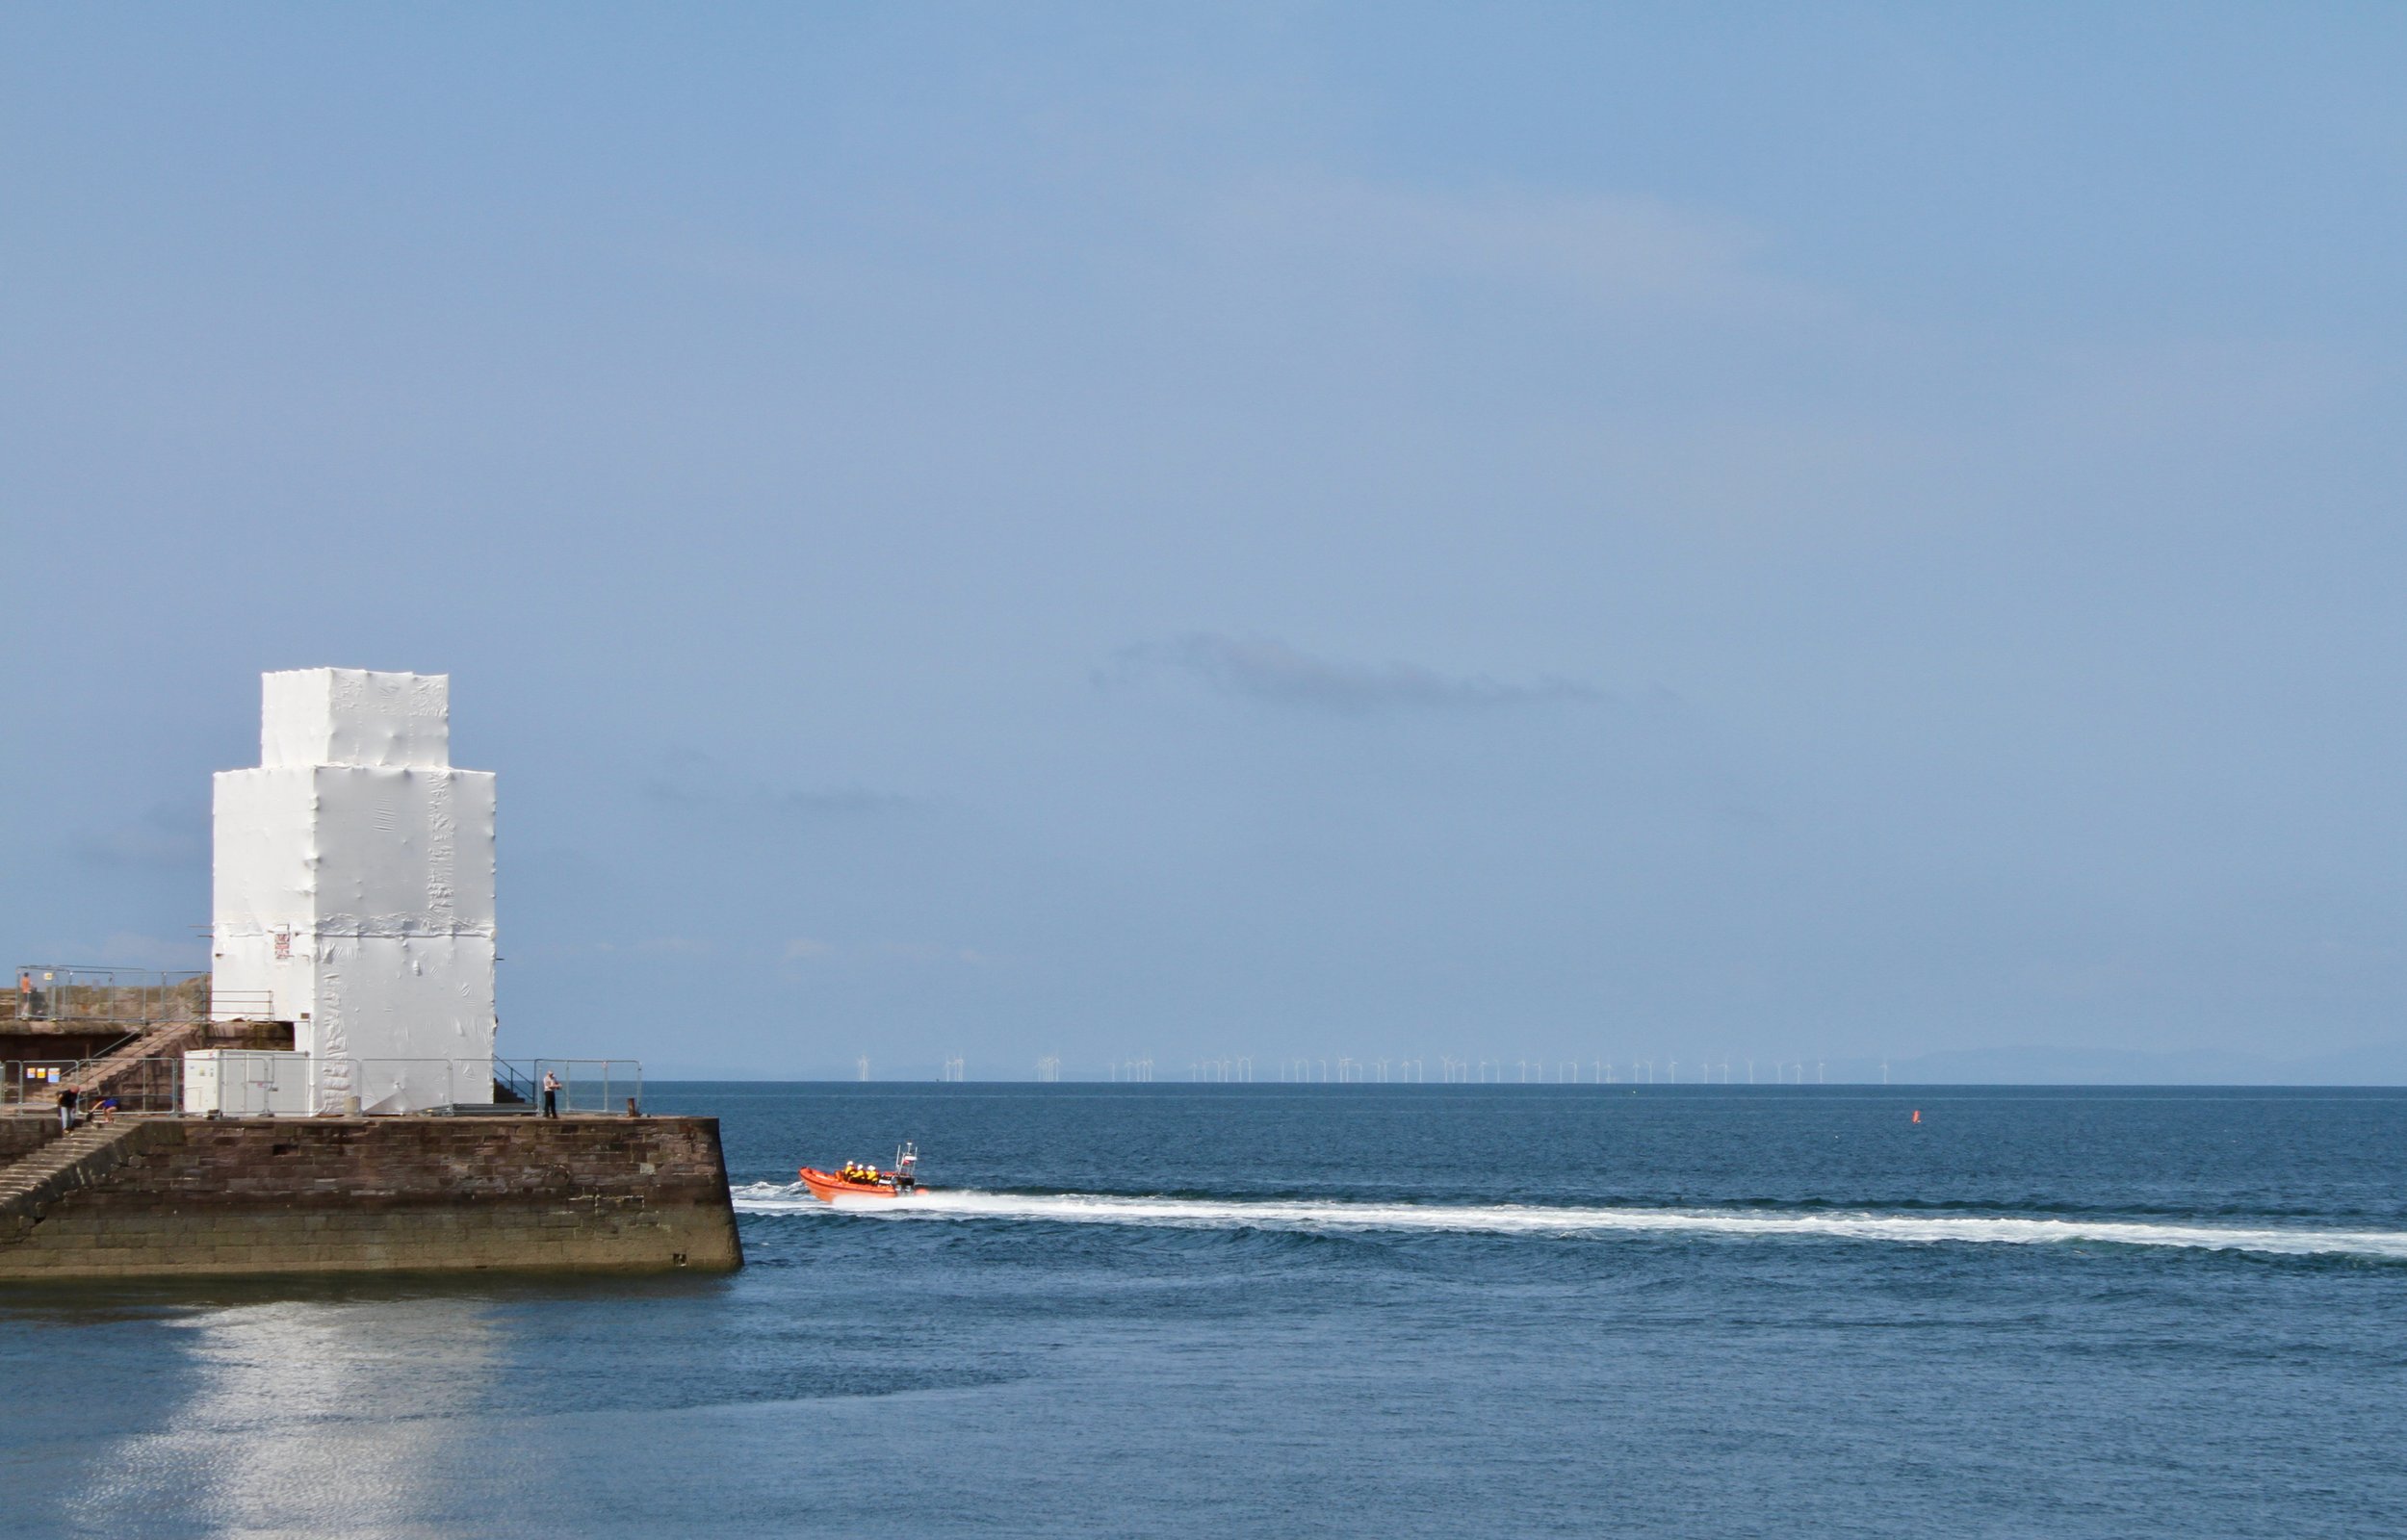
<point>1506,1218</point>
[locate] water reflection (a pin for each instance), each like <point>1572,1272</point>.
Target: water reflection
<point>310,1417</point>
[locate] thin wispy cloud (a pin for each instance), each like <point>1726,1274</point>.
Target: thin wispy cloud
<point>164,838</point>
<point>697,782</point>
<point>1271,670</point>
<point>809,949</point>
<point>1601,251</point>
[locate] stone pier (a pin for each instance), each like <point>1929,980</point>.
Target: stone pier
<point>162,1196</point>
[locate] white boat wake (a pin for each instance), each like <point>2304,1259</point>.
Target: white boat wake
<point>1505,1218</point>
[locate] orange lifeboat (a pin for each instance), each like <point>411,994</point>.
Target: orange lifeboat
<point>865,1181</point>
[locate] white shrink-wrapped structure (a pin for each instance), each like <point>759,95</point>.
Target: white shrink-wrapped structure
<point>353,888</point>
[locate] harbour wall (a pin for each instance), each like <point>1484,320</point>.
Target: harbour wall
<point>22,1134</point>
<point>166,1196</point>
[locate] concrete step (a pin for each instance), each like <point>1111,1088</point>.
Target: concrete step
<point>65,1150</point>
<point>32,1184</point>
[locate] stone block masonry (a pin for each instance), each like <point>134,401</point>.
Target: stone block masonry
<point>195,1196</point>
<point>26,1132</point>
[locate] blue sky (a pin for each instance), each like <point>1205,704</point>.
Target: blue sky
<point>1518,529</point>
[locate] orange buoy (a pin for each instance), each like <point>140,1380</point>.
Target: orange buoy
<point>1918,1115</point>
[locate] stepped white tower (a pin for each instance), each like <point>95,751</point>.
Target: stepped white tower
<point>353,888</point>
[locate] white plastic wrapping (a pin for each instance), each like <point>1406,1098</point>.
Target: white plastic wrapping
<point>404,852</point>
<point>263,893</point>
<point>398,1016</point>
<point>353,893</point>
<point>311,716</point>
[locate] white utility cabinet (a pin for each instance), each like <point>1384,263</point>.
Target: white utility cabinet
<point>247,1083</point>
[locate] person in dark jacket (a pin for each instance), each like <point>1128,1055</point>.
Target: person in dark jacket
<point>67,1109</point>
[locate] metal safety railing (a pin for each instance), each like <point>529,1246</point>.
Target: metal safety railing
<point>584,1086</point>
<point>377,1087</point>
<point>241,1083</point>
<point>511,1084</point>
<point>590,1085</point>
<point>49,992</point>
<point>133,1086</point>
<point>143,1085</point>
<point>34,1082</point>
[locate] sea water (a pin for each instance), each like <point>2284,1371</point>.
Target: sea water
<point>1331,1310</point>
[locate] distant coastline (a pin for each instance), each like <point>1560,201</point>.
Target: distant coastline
<point>2372,1065</point>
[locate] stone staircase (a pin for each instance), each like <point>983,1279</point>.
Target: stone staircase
<point>32,1184</point>
<point>96,1078</point>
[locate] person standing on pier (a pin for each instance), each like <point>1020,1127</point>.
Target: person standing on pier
<point>67,1109</point>
<point>550,1094</point>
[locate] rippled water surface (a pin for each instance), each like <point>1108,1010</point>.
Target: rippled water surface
<point>1277,1310</point>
